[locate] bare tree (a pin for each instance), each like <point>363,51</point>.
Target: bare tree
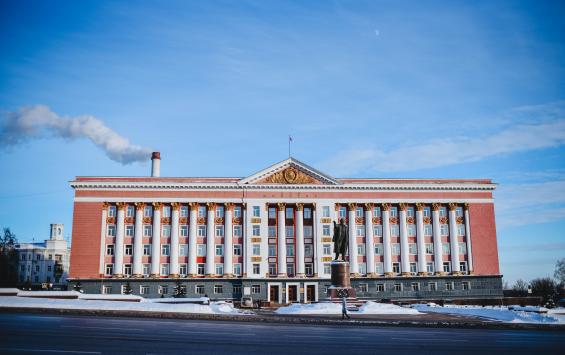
<point>559,273</point>
<point>8,259</point>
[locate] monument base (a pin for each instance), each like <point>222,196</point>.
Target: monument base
<point>341,283</point>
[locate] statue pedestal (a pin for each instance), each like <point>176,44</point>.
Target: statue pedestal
<point>341,284</point>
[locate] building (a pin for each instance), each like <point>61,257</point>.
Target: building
<point>45,264</point>
<point>270,235</point>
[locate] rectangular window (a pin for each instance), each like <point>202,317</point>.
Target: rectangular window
<point>397,287</point>
<point>289,213</point>
<point>378,230</point>
<point>307,213</point>
<point>147,249</point>
<point>289,231</point>
<point>148,211</point>
<point>327,269</point>
<point>289,250</point>
<point>326,230</point>
<point>236,289</point>
<point>166,211</point>
<point>237,249</point>
<point>432,286</point>
<point>395,249</point>
<point>410,212</point>
<point>256,230</point>
<point>326,211</point>
<point>466,285</point>
<point>255,289</point>
<point>109,249</point>
<point>459,211</point>
<point>396,268</point>
<point>272,250</point>
<point>109,269</point>
<point>327,249</point>
<point>107,290</point>
<point>415,286</point>
<point>360,230</point>
<point>379,269</point>
<point>430,268</point>
<point>201,250</point>
<point>201,211</point>
<point>237,212</point>
<point>394,230</point>
<point>112,211</point>
<point>219,269</point>
<point>184,211</point>
<point>220,212</point>
<point>342,212</point>
<point>272,213</point>
<point>429,248</point>
<point>463,267</point>
<point>199,290</point>
<point>256,269</point>
<point>445,248</point>
<point>184,231</point>
<point>361,249</point>
<point>256,211</point>
<point>219,231</point>
<point>201,231</point>
<point>363,288</point>
<point>165,269</point>
<point>129,249</point>
<point>376,212</point>
<point>308,250</point>
<point>112,230</point>
<point>413,268</point>
<point>183,269</point>
<point>163,289</point>
<point>307,231</point>
<point>412,248</point>
<point>129,231</point>
<point>256,249</point>
<point>166,231</point>
<point>447,266</point>
<point>147,230</point>
<point>272,269</point>
<point>236,271</point>
<point>130,211</point>
<point>290,269</point>
<point>146,269</point>
<point>218,289</point>
<point>219,250</point>
<point>394,212</point>
<point>380,287</point>
<point>461,229</point>
<point>411,230</point>
<point>443,212</point>
<point>309,269</point>
<point>200,269</point>
<point>359,212</point>
<point>363,268</point>
<point>272,231</point>
<point>237,231</point>
<point>444,229</point>
<point>462,248</point>
<point>165,249</point>
<point>427,212</point>
<point>449,286</point>
<point>428,230</point>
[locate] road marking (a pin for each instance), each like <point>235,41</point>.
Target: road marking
<point>52,351</point>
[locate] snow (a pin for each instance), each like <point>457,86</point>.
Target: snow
<point>528,309</point>
<point>88,296</point>
<point>203,300</point>
<point>29,302</point>
<point>497,313</point>
<point>9,291</point>
<point>335,308</point>
<point>70,294</point>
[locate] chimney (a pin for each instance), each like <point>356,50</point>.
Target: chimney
<point>155,164</point>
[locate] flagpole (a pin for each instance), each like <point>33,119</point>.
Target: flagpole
<point>289,146</point>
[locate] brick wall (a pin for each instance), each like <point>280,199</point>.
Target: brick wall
<point>85,249</point>
<point>483,239</point>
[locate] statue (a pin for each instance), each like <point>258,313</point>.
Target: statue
<point>340,239</point>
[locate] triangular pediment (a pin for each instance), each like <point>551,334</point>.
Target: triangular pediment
<point>289,172</point>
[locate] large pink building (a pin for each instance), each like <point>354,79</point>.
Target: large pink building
<point>269,235</point>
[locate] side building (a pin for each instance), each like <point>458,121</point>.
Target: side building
<point>44,264</point>
<point>269,235</point>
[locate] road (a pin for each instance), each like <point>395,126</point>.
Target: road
<point>45,334</point>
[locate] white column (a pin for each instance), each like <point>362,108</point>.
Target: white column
<point>300,240</point>
<point>138,241</point>
<point>156,241</point>
<point>453,240</point>
<point>468,239</point>
<point>103,232</point>
<point>438,259</point>
<point>404,254</point>
<point>317,242</point>
<point>281,240</point>
<point>386,240</point>
<point>245,232</point>
<point>353,262</point>
<point>174,264</point>
<point>228,240</point>
<point>420,240</point>
<point>369,240</point>
<point>192,270</point>
<point>119,245</point>
<point>210,240</point>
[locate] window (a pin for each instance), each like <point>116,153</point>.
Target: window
<point>463,267</point>
<point>237,289</point>
<point>427,212</point>
<point>415,286</point>
<point>411,230</point>
<point>466,285</point>
<point>166,231</point>
<point>394,212</point>
<point>272,213</point>
<point>237,249</point>
<point>219,231</point>
<point>289,250</point>
<point>219,269</point>
<point>107,290</point>
<point>461,229</point>
<point>129,249</point>
<point>394,230</point>
<point>410,212</point>
<point>412,249</point>
<point>326,211</point>
<point>112,230</point>
<point>449,286</point>
<point>219,250</point>
<point>363,268</point>
<point>109,269</point>
<point>256,211</point>
<point>130,211</point>
<point>395,249</point>
<point>459,211</point>
<point>444,229</point>
<point>165,269</point>
<point>48,267</point>
<point>148,211</point>
<point>255,289</point>
<point>289,213</point>
<point>445,248</point>
<point>427,230</point>
<point>447,266</point>
<point>201,211</point>
<point>237,212</point>
<point>200,269</point>
<point>326,230</point>
<point>146,269</point>
<point>363,288</point>
<point>429,248</point>
<point>462,248</point>
<point>379,268</point>
<point>376,212</point>
<point>413,268</point>
<point>342,212</point>
<point>184,231</point>
<point>129,231</point>
<point>147,249</point>
<point>308,250</point>
<point>272,269</point>
<point>218,289</point>
<point>397,287</point>
<point>256,249</point>
<point>360,249</point>
<point>201,231</point>
<point>307,213</point>
<point>112,211</point>
<point>163,289</point>
<point>256,230</point>
<point>201,250</point>
<point>147,230</point>
<point>184,211</point>
<point>432,286</point>
<point>289,231</point>
<point>430,268</point>
<point>443,212</point>
<point>327,248</point>
<point>290,269</point>
<point>166,211</point>
<point>359,212</point>
<point>165,249</point>
<point>272,231</point>
<point>236,271</point>
<point>309,269</point>
<point>256,269</point>
<point>183,269</point>
<point>327,269</point>
<point>220,212</point>
<point>307,231</point>
<point>199,289</point>
<point>396,268</point>
<point>272,250</point>
<point>237,231</point>
<point>378,230</point>
<point>109,249</point>
<point>360,230</point>
<point>380,287</point>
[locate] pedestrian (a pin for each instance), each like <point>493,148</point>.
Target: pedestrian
<point>344,309</point>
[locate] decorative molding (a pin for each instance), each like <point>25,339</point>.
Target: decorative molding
<point>377,220</point>
<point>359,220</point>
<point>427,220</point>
<point>281,206</point>
<point>337,206</point>
<point>443,220</point>
<point>452,206</point>
<point>369,206</point>
<point>193,206</point>
<point>326,258</point>
<point>393,220</point>
<point>229,206</point>
<point>201,220</point>
<point>175,206</point>
<point>466,205</point>
<point>111,220</point>
<point>236,220</point>
<point>183,220</point>
<point>211,206</point>
<point>385,206</point>
<point>290,175</point>
<point>218,220</point>
<point>299,206</point>
<point>121,205</point>
<point>255,220</point>
<point>157,205</point>
<point>128,220</point>
<point>147,219</point>
<point>420,206</point>
<point>352,206</point>
<point>325,220</point>
<point>139,206</point>
<point>165,220</point>
<point>403,206</point>
<point>326,239</point>
<point>410,220</point>
<point>436,206</point>
<point>459,219</point>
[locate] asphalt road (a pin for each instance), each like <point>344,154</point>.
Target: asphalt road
<point>45,334</point>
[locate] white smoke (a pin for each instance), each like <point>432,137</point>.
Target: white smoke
<point>40,122</point>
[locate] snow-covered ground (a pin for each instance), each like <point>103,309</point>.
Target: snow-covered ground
<point>498,313</point>
<point>144,305</point>
<point>335,308</point>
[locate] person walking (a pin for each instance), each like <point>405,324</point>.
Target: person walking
<point>344,309</point>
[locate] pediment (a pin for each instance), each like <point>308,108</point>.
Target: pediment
<point>290,172</point>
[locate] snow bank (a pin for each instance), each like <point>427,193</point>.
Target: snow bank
<point>335,308</point>
<point>385,308</point>
<point>54,294</point>
<point>8,291</point>
<point>203,300</point>
<point>110,297</point>
<point>502,314</point>
<point>528,309</point>
<point>26,302</point>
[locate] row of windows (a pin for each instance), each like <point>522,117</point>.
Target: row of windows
<point>166,211</point>
<point>166,230</point>
<point>165,269</point>
<point>393,211</point>
<point>415,286</point>
<point>38,257</point>
<point>198,289</point>
<point>183,250</point>
<point>396,268</point>
<point>289,212</point>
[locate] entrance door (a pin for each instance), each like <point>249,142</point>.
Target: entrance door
<point>310,293</point>
<point>291,293</point>
<point>274,291</point>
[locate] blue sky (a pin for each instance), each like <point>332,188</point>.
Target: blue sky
<point>448,89</point>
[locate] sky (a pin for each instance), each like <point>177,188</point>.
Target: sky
<point>427,89</point>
